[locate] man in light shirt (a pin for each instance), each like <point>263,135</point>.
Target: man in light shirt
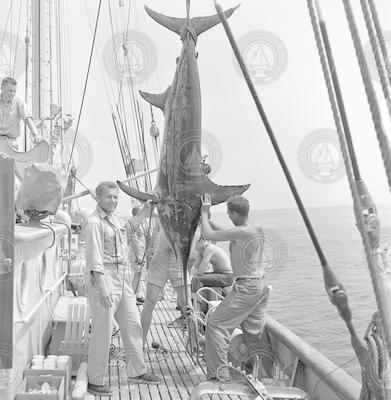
<point>13,111</point>
<point>111,294</point>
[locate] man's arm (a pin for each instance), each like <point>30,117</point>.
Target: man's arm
<point>94,261</point>
<point>203,266</point>
<point>28,120</point>
<point>208,232</point>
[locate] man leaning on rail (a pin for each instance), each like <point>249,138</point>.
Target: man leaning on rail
<point>111,294</point>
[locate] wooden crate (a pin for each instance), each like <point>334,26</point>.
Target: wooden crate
<point>31,382</point>
<point>64,373</point>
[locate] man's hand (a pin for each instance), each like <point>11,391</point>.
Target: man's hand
<point>206,204</point>
<point>106,299</point>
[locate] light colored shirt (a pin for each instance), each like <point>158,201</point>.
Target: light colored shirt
<point>136,238</point>
<point>106,241</point>
<point>11,115</point>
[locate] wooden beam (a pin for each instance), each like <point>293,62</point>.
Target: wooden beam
<point>7,258</point>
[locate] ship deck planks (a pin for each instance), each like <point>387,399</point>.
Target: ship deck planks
<point>179,373</point>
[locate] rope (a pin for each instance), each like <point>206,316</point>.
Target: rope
<point>370,92</point>
<point>272,137</point>
<point>380,35</point>
<point>379,59</point>
<point>370,239</point>
<point>85,85</point>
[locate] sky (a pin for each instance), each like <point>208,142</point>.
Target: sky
<point>277,41</point>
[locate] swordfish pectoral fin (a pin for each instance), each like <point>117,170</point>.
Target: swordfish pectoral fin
<point>220,194</point>
<point>199,24</point>
<point>137,194</point>
<point>157,100</point>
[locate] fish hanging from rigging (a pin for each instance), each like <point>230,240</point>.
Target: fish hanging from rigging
<point>181,179</point>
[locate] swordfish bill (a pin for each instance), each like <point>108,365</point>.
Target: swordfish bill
<point>181,180</point>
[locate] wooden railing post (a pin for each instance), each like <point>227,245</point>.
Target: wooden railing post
<point>7,259</point>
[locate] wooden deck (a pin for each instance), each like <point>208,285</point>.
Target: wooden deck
<point>179,373</point>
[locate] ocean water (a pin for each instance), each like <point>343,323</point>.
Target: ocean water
<point>299,300</point>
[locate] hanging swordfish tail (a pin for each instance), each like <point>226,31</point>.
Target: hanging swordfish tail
<point>178,25</point>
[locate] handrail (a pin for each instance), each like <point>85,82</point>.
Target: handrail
<point>48,293</point>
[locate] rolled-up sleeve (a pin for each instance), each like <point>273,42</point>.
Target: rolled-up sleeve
<point>94,246</point>
<point>24,112</point>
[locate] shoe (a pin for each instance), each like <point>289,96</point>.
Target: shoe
<point>140,299</point>
<point>148,379</point>
<point>100,390</point>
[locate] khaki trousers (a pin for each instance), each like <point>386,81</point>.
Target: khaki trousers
<point>243,307</point>
<point>126,313</point>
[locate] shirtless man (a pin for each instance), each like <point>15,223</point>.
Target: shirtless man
<point>245,304</point>
<point>221,276</point>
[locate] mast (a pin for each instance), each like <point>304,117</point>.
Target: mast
<point>41,61</point>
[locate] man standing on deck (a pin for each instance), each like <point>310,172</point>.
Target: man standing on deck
<point>245,305</point>
<point>137,229</point>
<point>163,266</point>
<point>111,295</point>
<point>13,110</point>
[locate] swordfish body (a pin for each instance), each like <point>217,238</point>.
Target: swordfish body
<point>181,180</point>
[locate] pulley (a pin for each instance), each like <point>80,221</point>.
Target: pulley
<point>154,130</point>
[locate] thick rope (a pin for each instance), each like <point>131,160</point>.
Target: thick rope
<point>379,59</point>
<point>365,393</point>
<point>370,92</point>
<point>380,35</point>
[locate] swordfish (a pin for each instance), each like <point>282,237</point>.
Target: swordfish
<point>181,180</point>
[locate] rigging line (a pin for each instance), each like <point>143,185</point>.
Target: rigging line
<point>379,59</point>
<point>106,83</point>
<point>17,39</point>
<point>85,84</point>
<point>272,137</point>
<point>332,82</point>
<point>369,240</point>
<point>145,156</point>
<point>26,67</point>
<point>380,35</point>
<point>335,97</point>
<point>370,92</point>
<point>114,118</point>
<point>5,27</point>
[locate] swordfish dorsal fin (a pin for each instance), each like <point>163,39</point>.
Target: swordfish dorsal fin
<point>220,194</point>
<point>157,100</point>
<point>199,24</point>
